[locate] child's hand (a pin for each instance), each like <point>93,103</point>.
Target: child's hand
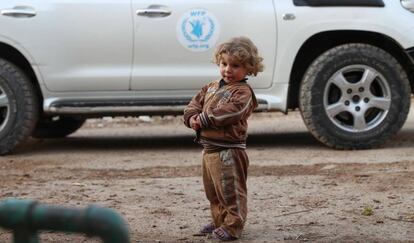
<point>195,122</point>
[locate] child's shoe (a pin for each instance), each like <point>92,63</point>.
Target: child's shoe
<point>207,229</point>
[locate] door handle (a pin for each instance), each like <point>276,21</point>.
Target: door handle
<point>19,12</point>
<point>153,13</point>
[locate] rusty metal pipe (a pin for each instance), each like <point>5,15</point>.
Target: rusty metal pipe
<point>27,217</point>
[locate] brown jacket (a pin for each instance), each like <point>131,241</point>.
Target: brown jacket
<point>223,110</point>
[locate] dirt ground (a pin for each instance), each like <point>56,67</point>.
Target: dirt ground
<point>148,170</point>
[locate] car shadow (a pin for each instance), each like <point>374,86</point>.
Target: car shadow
<point>183,142</point>
<point>119,142</point>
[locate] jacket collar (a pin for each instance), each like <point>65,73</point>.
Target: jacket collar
<point>223,83</point>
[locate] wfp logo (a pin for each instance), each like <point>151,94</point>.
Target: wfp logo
<point>198,27</point>
<point>198,30</point>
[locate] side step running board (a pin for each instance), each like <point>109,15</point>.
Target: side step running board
<point>136,107</point>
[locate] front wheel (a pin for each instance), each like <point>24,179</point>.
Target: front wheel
<point>354,96</point>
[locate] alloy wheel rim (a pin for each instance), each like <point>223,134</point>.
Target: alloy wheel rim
<point>4,109</point>
<point>357,98</point>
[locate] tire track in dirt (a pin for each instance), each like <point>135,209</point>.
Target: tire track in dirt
<point>355,170</point>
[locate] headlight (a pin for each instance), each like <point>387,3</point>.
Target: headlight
<point>408,4</point>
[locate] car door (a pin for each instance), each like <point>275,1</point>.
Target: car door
<point>77,45</point>
<point>175,40</point>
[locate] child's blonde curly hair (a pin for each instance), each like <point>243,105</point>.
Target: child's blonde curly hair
<point>243,49</point>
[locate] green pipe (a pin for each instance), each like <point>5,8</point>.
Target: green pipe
<point>27,217</point>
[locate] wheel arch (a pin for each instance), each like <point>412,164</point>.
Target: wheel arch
<point>321,42</point>
<point>14,56</point>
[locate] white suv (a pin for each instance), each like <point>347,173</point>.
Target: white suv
<point>346,64</point>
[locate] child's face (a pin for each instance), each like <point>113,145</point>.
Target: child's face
<point>231,70</point>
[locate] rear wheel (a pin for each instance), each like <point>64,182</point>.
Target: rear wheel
<point>354,96</point>
<point>57,127</point>
<point>18,107</point>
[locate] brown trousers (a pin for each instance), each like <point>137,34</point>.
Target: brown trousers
<point>224,178</point>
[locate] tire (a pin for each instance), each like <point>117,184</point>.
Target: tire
<point>354,96</point>
<point>18,107</point>
<point>57,127</point>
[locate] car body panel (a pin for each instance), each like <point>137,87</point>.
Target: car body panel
<point>162,62</point>
<point>76,45</point>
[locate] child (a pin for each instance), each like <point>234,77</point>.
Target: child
<point>218,113</point>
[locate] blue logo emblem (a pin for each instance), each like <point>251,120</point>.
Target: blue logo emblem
<point>197,26</point>
<point>198,30</point>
